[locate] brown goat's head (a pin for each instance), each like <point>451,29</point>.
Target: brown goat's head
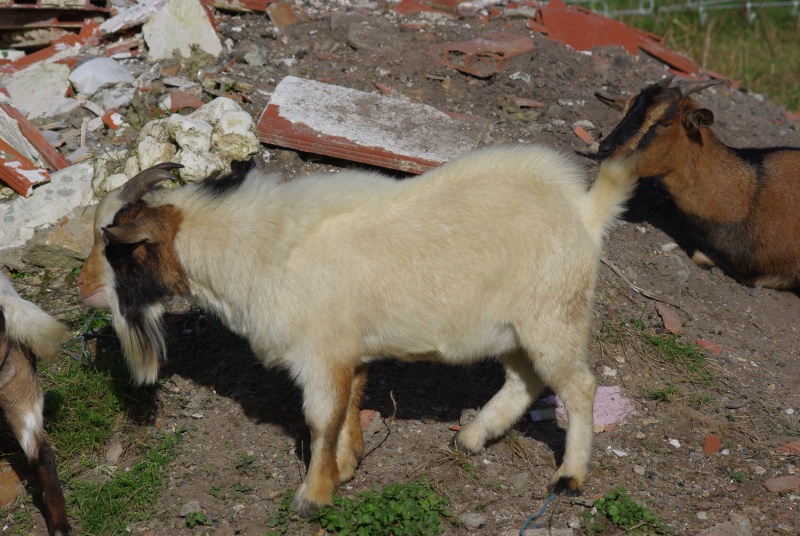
<point>132,266</point>
<point>656,122</point>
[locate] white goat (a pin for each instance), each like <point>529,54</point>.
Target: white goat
<point>493,254</point>
<point>26,330</point>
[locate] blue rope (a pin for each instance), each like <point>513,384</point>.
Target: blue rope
<point>536,516</point>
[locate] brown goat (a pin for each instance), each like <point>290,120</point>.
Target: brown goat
<point>740,205</point>
<point>26,330</point>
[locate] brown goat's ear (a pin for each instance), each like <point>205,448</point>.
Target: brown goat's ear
<point>617,104</point>
<point>695,119</point>
<point>133,232</point>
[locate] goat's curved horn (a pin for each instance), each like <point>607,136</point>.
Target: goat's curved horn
<point>687,88</point>
<point>135,188</point>
<point>666,81</point>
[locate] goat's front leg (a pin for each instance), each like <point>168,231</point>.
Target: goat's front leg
<point>326,398</point>
<point>22,401</point>
<point>350,447</point>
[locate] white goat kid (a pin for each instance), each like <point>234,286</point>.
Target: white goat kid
<point>493,254</point>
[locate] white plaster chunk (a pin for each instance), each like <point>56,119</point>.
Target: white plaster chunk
<point>40,90</point>
<point>95,73</point>
<point>154,129</point>
<point>233,136</point>
<point>117,97</point>
<point>199,166</point>
<point>69,188</point>
<point>131,167</point>
<point>179,25</point>
<point>189,133</point>
<point>152,151</point>
<point>104,165</point>
<point>132,16</point>
<point>212,111</point>
<point>112,182</point>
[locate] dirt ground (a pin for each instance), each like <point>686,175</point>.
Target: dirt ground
<point>233,408</point>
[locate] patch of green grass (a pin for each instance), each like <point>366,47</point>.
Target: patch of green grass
<point>402,509</point>
<point>127,496</point>
<point>763,55</point>
<point>628,515</point>
<point>661,395</point>
<point>244,462</point>
<point>686,355</point>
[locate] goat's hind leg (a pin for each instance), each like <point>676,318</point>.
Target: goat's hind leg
<point>22,401</point>
<point>326,399</point>
<point>566,371</point>
<point>350,446</point>
<point>520,389</point>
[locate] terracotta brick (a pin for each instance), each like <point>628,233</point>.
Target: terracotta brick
<point>365,417</point>
<point>19,172</point>
<point>406,7</point>
<point>486,55</point>
<point>711,444</point>
<point>783,484</point>
<point>181,99</point>
<point>50,155</point>
<point>282,15</point>
<point>711,346</point>
<point>672,322</point>
<point>112,119</point>
<point>584,135</point>
<point>790,448</point>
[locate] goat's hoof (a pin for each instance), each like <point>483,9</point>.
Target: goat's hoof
<point>305,508</point>
<point>566,485</point>
<point>462,443</point>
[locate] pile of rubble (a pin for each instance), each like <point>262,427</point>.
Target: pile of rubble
<point>141,82</point>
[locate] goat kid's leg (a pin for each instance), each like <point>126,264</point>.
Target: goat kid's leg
<point>326,394</point>
<point>520,389</point>
<point>569,376</point>
<point>22,401</point>
<point>350,446</point>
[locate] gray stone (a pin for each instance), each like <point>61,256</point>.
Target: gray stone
<point>114,451</point>
<point>65,245</point>
<point>472,520</point>
<point>519,480</point>
<point>737,525</point>
<point>190,507</point>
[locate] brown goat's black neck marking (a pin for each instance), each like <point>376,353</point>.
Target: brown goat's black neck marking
<point>147,272</point>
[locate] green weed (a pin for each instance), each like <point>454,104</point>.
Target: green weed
<point>661,395</point>
<point>279,522</point>
<point>401,509</point>
<point>627,514</point>
<point>194,519</point>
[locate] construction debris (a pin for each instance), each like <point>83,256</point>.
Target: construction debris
<point>364,127</point>
<point>488,54</point>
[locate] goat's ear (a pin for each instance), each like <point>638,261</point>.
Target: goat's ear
<point>617,104</point>
<point>695,119</point>
<point>133,232</point>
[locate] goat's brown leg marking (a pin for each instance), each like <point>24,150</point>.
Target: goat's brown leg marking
<point>22,401</point>
<point>350,446</point>
<point>327,395</point>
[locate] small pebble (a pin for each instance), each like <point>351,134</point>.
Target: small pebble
<point>702,516</point>
<point>639,469</point>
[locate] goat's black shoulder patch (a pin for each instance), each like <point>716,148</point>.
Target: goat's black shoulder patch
<point>230,182</point>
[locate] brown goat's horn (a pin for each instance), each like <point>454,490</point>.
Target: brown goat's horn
<point>687,88</point>
<point>666,81</point>
<point>135,188</point>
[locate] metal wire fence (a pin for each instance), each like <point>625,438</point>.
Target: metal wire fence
<point>701,7</point>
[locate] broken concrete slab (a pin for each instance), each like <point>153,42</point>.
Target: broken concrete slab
<point>364,127</point>
<point>40,89</point>
<point>179,25</point>
<point>68,188</point>
<point>487,55</point>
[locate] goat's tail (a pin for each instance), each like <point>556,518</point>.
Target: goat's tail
<point>29,326</point>
<point>606,199</point>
